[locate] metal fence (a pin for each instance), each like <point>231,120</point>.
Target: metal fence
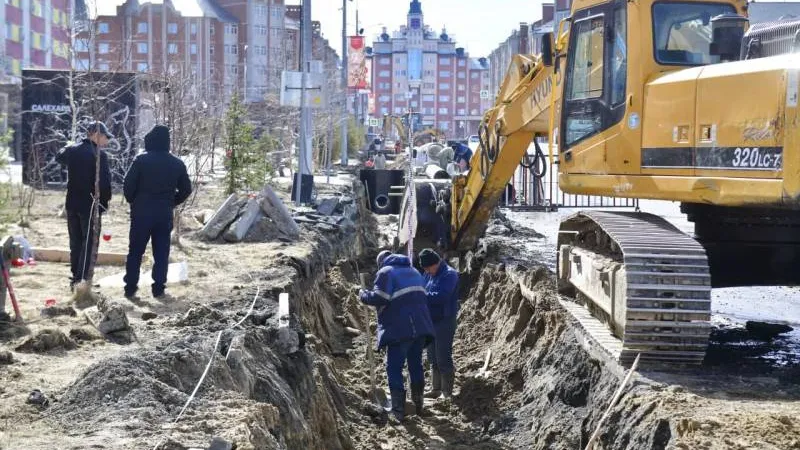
<point>531,193</point>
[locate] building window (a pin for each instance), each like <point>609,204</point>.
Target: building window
<point>474,75</point>
<point>474,112</point>
<point>141,67</point>
<point>211,50</point>
<point>414,104</point>
<point>193,28</point>
<point>193,49</point>
<point>461,87</point>
<point>444,61</point>
<point>444,98</point>
<point>442,110</point>
<point>398,110</point>
<point>384,110</point>
<point>81,45</point>
<point>261,10</point>
<point>104,67</point>
<point>428,98</point>
<point>462,75</point>
<point>103,48</point>
<point>429,85</point>
<point>172,28</point>
<point>444,86</point>
<point>102,27</point>
<point>444,74</point>
<point>462,63</point>
<point>383,73</point>
<point>37,8</point>
<point>141,47</point>
<point>462,99</point>
<point>444,125</point>
<point>385,61</point>
<point>172,49</point>
<point>212,29</point>
<point>141,27</point>
<point>83,64</point>
<point>461,111</point>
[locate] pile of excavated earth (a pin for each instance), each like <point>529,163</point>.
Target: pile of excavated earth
<point>227,366</point>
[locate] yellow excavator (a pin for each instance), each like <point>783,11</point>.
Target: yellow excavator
<point>651,99</point>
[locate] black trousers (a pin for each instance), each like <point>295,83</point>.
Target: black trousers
<point>81,229</point>
<point>145,228</point>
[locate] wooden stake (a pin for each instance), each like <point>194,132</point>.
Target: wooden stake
<point>617,395</point>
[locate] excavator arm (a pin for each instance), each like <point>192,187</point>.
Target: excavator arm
<point>522,112</point>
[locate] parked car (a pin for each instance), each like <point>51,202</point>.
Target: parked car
<point>473,142</point>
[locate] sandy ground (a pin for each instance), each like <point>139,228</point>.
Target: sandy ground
<point>216,272</point>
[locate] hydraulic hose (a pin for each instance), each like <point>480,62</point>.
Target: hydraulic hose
<point>536,163</point>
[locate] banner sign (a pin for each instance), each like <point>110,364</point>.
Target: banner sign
<point>358,66</point>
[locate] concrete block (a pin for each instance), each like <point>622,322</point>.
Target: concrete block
<point>237,231</point>
<point>328,206</point>
<point>274,208</point>
<point>224,216</point>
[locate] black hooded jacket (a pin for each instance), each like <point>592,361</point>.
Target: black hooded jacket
<point>80,162</point>
<point>157,181</point>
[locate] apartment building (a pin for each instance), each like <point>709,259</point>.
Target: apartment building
<point>228,46</point>
<point>36,35</point>
<point>419,69</point>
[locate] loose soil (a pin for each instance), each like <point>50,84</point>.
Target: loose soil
<point>303,383</point>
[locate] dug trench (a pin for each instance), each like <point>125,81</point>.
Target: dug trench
<point>305,385</point>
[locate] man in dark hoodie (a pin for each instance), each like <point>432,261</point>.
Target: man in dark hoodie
<point>81,163</point>
<point>155,184</point>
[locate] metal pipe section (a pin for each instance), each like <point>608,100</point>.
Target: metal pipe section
<point>434,172</point>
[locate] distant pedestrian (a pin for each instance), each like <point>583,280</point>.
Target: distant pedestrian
<point>404,326</point>
<point>82,201</point>
<point>441,290</point>
<point>380,161</point>
<point>155,184</point>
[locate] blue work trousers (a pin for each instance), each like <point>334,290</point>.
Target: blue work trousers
<point>396,356</point>
<point>440,351</point>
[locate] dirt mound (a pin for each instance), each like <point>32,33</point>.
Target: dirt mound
<point>47,340</point>
<point>549,383</point>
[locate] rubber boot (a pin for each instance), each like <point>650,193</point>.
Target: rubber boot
<point>436,385</point>
<point>448,380</point>
<point>417,398</point>
<point>397,414</point>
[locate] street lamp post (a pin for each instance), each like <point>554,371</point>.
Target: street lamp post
<point>344,158</point>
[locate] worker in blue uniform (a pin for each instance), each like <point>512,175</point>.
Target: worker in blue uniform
<point>441,291</point>
<point>404,326</point>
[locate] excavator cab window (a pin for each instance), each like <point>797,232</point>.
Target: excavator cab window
<point>596,72</point>
<point>683,32</point>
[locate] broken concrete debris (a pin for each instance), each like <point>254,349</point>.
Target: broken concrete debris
<point>265,217</point>
<point>238,229</point>
<point>113,317</point>
<point>224,216</point>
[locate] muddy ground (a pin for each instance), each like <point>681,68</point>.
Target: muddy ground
<point>303,384</point>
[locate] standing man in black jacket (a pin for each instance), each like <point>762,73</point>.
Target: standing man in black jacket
<point>155,184</point>
<point>81,163</point>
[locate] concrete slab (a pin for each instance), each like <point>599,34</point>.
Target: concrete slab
<point>178,273</point>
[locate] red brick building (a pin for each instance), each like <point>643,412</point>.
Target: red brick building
<point>37,35</point>
<point>419,69</point>
<point>228,46</point>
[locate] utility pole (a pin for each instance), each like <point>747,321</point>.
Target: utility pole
<point>344,160</point>
<point>304,162</point>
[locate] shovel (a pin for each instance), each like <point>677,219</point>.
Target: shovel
<point>378,396</point>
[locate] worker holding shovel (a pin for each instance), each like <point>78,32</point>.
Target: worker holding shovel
<point>404,326</point>
<point>83,203</point>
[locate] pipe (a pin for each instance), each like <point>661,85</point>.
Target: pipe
<point>435,172</point>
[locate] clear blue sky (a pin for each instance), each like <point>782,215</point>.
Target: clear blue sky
<point>477,25</point>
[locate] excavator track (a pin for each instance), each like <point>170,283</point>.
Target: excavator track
<point>647,280</point>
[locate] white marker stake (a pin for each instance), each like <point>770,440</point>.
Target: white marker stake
<point>283,310</point>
